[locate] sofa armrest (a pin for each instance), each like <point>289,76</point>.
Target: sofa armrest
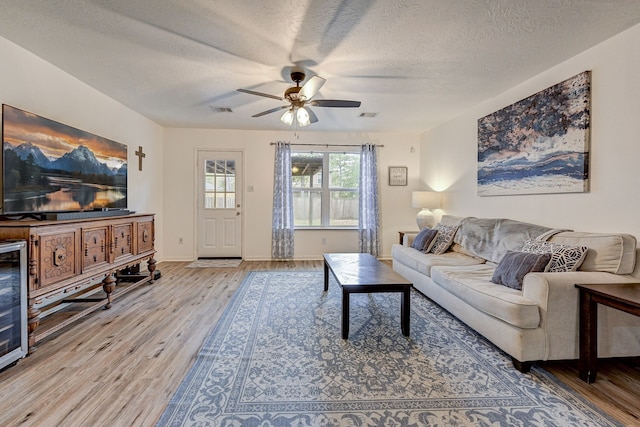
<point>558,300</point>
<point>408,238</point>
<point>556,290</point>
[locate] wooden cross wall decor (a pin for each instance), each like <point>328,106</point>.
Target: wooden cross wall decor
<point>140,155</point>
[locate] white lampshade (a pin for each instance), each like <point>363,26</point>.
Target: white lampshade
<point>425,200</point>
<point>287,117</point>
<point>303,116</point>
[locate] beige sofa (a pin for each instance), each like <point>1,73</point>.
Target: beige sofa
<point>539,322</point>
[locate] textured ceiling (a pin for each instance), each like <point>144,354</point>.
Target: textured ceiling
<point>415,63</point>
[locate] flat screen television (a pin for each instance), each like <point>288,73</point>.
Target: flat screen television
<point>50,167</point>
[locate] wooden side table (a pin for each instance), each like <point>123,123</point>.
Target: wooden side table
<point>625,297</point>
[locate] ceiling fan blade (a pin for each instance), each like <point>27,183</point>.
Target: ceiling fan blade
<point>273,110</point>
<point>335,103</point>
<point>312,116</point>
<point>266,95</point>
<point>311,87</point>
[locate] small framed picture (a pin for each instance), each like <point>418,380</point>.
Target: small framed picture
<point>397,175</point>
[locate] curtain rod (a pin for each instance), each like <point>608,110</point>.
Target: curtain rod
<point>330,145</point>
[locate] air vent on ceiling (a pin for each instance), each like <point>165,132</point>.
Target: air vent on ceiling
<point>220,109</point>
<point>369,115</point>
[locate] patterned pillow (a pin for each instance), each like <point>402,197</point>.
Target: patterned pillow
<point>444,238</point>
<point>423,240</point>
<point>515,265</point>
<point>564,258</point>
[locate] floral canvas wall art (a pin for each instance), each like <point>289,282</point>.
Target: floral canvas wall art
<point>539,144</point>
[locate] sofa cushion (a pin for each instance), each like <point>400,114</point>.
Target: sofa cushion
<point>611,253</point>
<point>424,239</point>
<point>472,284</point>
<point>460,249</point>
<point>564,258</point>
<point>491,238</point>
<point>444,238</point>
<point>515,265</point>
<point>422,263</point>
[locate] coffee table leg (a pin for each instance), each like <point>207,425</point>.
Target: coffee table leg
<point>345,314</point>
<point>326,276</point>
<point>588,362</point>
<point>405,312</point>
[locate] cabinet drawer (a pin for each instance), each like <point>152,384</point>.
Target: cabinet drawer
<point>94,247</point>
<point>145,236</point>
<point>57,257</point>
<point>122,240</point>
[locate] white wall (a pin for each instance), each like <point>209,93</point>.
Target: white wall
<point>32,84</point>
<point>179,189</point>
<point>449,152</point>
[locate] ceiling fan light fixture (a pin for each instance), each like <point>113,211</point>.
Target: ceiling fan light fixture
<point>302,115</point>
<point>287,117</point>
<point>299,96</point>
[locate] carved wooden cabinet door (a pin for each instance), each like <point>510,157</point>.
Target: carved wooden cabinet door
<point>57,257</point>
<point>122,240</point>
<point>94,247</point>
<point>145,236</point>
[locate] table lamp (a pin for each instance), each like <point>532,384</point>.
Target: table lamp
<point>425,200</point>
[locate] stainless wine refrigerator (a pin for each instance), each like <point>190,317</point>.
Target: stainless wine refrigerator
<point>13,302</point>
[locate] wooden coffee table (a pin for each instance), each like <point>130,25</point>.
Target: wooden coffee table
<point>362,273</point>
<point>625,297</point>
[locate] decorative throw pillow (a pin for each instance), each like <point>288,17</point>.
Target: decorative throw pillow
<point>564,258</point>
<point>444,238</point>
<point>515,265</point>
<point>423,240</point>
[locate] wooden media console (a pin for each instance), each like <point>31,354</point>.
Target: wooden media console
<point>77,266</point>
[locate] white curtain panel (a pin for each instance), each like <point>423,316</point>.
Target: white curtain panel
<point>282,223</point>
<point>369,224</point>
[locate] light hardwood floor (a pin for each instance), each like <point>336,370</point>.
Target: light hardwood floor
<point>120,367</point>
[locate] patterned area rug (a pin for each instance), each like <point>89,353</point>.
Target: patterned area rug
<point>276,358</point>
<point>215,263</point>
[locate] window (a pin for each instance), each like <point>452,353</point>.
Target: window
<point>220,184</point>
<point>325,189</point>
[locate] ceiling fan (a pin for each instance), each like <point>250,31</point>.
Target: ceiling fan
<point>299,98</point>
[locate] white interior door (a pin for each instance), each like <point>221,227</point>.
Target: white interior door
<point>219,233</point>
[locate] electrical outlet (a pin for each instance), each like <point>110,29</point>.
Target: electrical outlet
<point>180,241</point>
<point>324,240</point>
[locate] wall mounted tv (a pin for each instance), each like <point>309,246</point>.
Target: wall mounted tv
<point>51,167</point>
